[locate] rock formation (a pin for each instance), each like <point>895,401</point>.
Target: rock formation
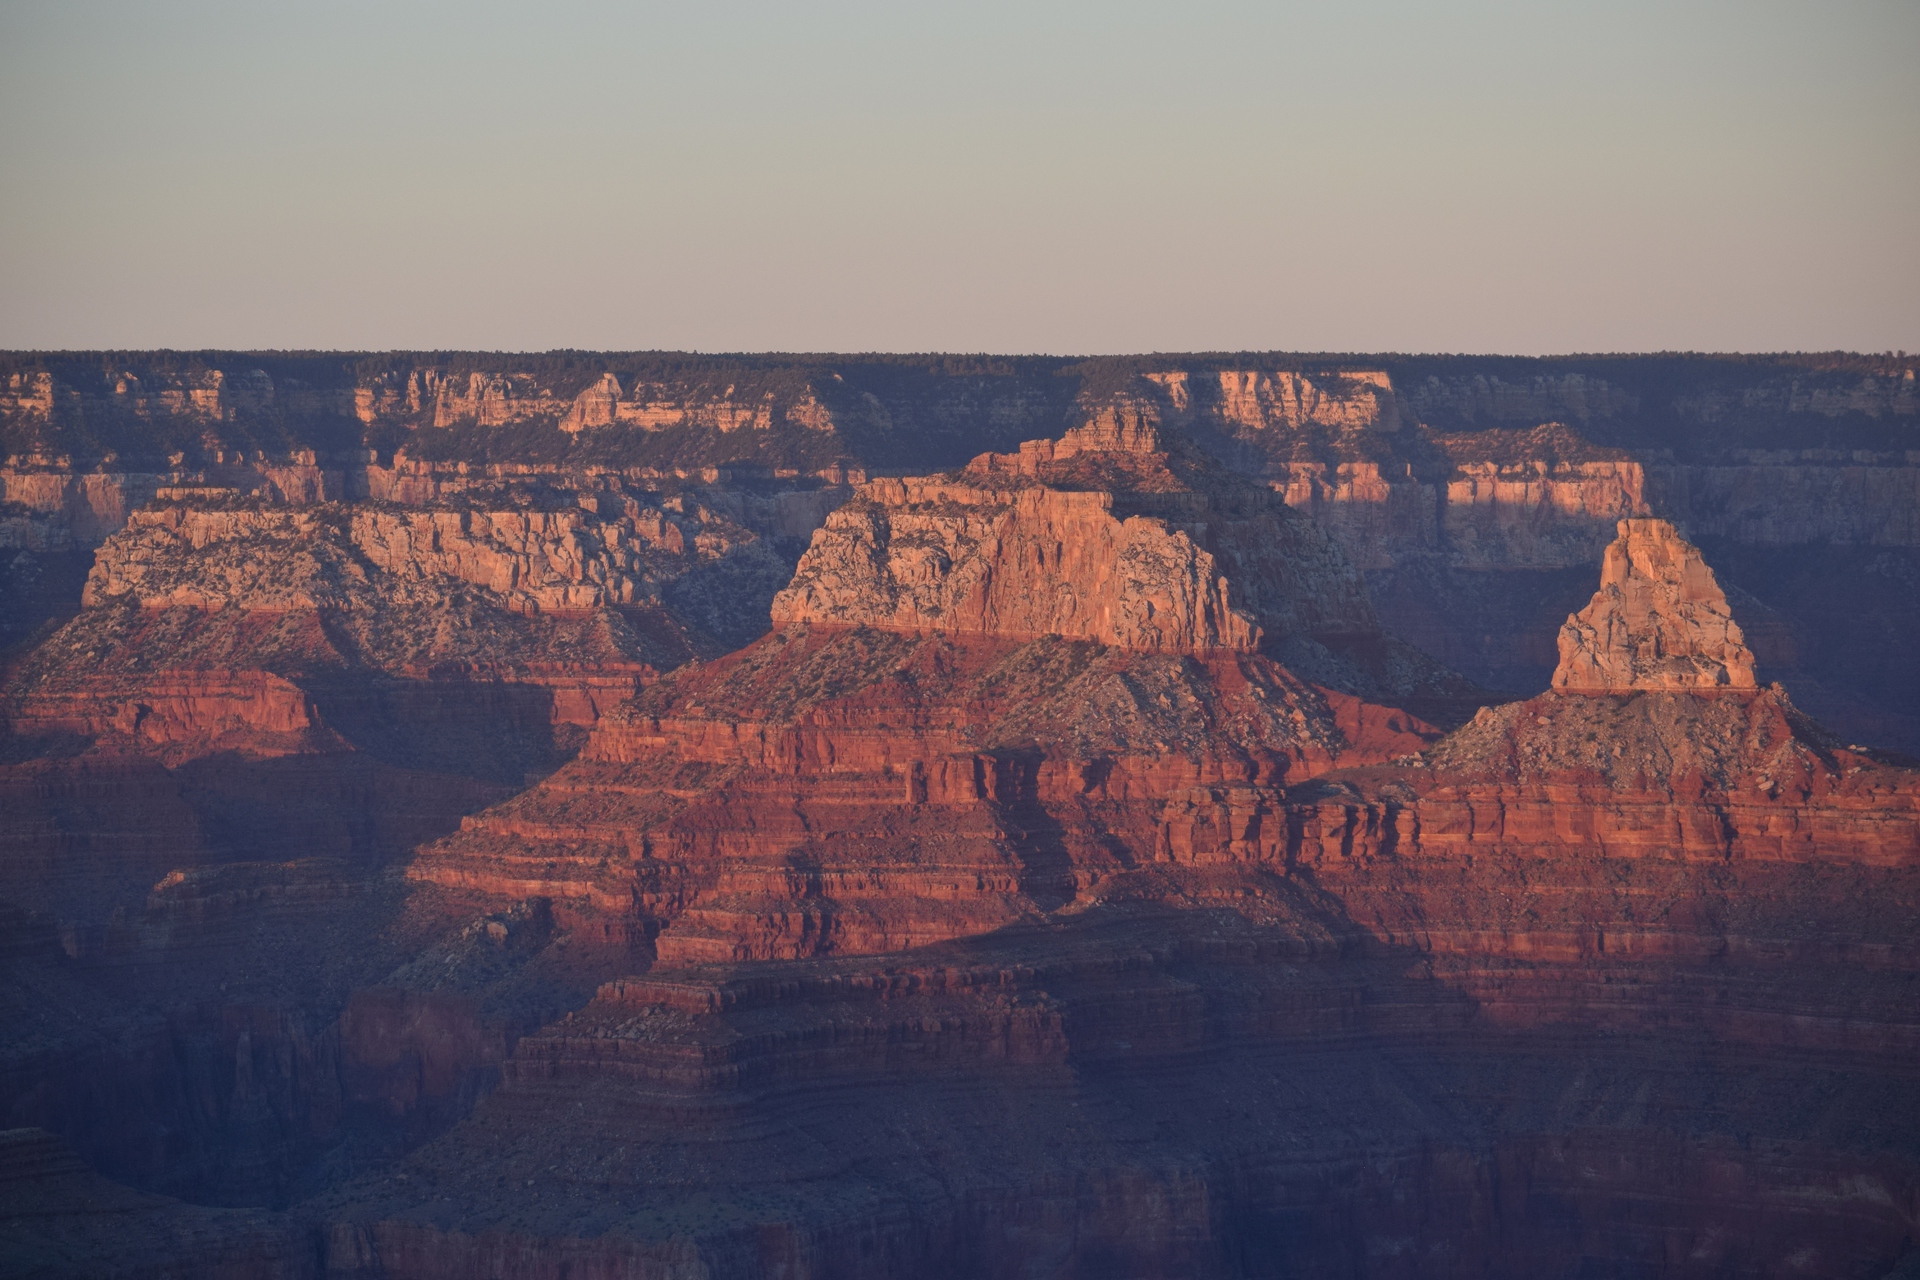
<point>1668,862</point>
<point>931,554</point>
<point>1685,764</point>
<point>572,595</point>
<point>249,680</point>
<point>1472,492</point>
<point>1051,890</point>
<point>1658,621</point>
<point>566,557</point>
<point>968,669</point>
<point>1099,536</point>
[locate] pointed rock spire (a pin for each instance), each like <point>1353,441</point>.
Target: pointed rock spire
<point>1658,621</point>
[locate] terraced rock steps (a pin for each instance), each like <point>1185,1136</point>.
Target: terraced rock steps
<point>1245,1081</point>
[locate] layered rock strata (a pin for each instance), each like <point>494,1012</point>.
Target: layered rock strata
<point>1115,535</point>
<point>213,622</point>
<point>1656,793</point>
<point>969,670</point>
<point>1467,489</point>
<point>951,557</point>
<point>855,790</point>
<point>250,681</point>
<point>1472,518</point>
<point>1210,1093</point>
<point>1494,921</point>
<point>890,946</point>
<point>568,557</point>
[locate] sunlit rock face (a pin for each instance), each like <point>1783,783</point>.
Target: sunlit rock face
<point>1658,621</point>
<point>1105,535</point>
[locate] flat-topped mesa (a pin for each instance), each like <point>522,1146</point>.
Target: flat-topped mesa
<point>1658,622</point>
<point>235,624</point>
<point>533,561</point>
<point>1098,536</point>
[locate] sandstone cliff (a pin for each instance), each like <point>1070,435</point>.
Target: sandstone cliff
<point>935,555</point>
<point>1099,537</point>
<point>1655,748</point>
<point>560,556</point>
<point>1659,621</point>
<point>955,655</point>
<point>581,597</point>
<point>1116,535</point>
<point>852,790</point>
<point>250,680</point>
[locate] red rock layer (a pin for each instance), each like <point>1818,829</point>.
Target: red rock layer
<point>1172,885</point>
<point>1209,972</point>
<point>268,632</point>
<point>831,791</point>
<point>1647,861</point>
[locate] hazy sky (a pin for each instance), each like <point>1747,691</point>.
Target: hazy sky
<point>1069,178</point>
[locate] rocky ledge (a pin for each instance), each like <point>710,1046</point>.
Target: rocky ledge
<point>546,553</point>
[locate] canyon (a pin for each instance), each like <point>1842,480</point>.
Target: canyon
<point>1473,493</point>
<point>810,816</point>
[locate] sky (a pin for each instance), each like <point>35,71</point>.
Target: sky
<point>1067,178</point>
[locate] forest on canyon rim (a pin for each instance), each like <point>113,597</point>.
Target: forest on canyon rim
<point>1249,814</point>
